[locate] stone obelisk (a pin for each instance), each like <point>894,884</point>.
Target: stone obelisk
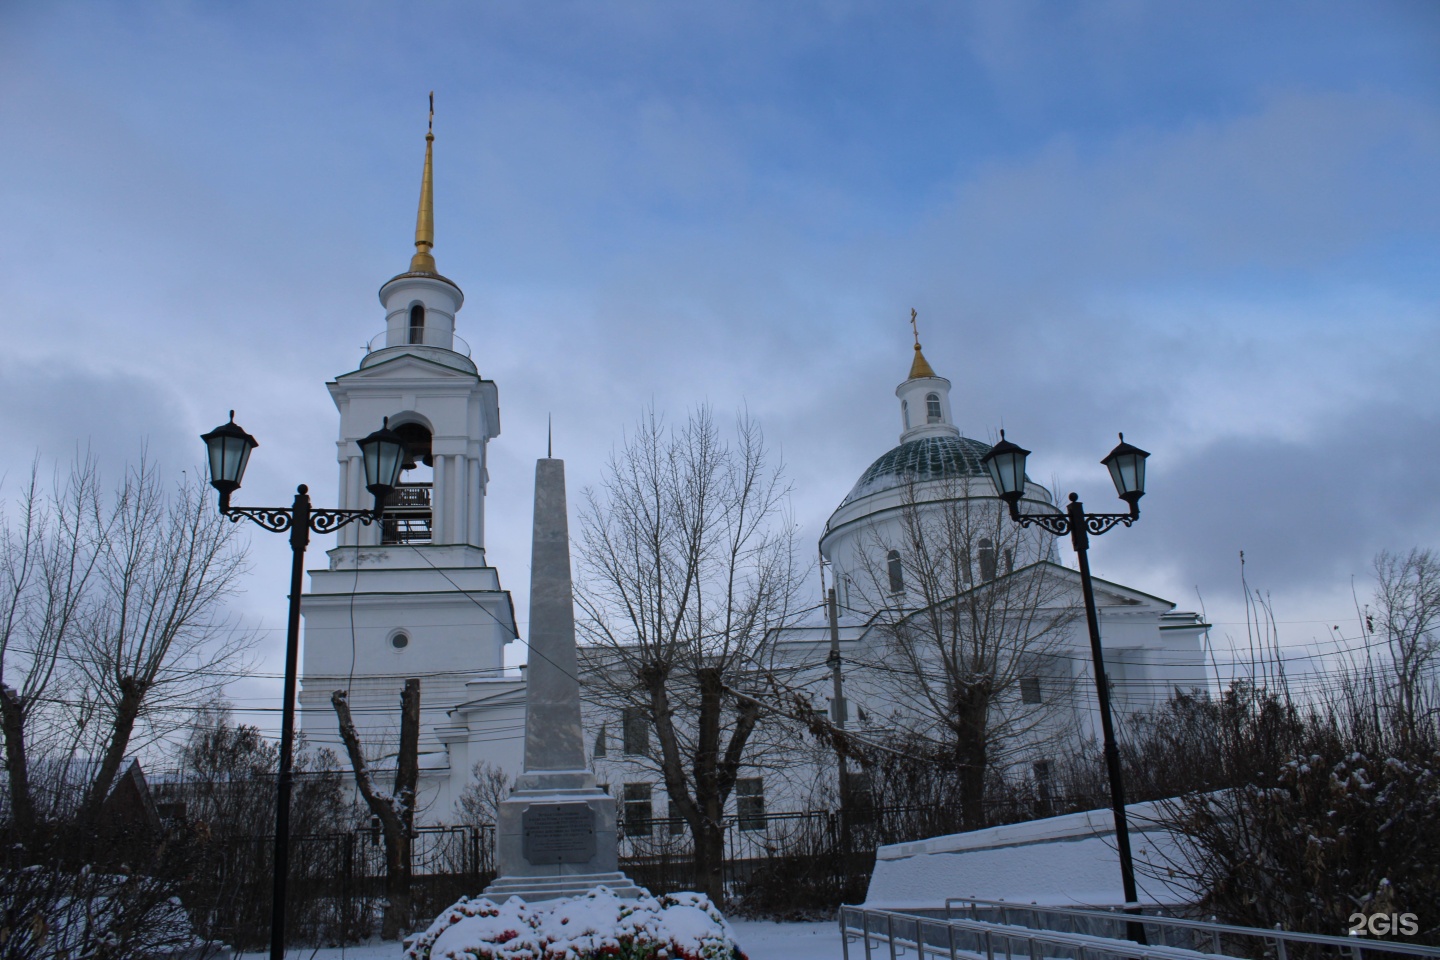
<point>556,832</point>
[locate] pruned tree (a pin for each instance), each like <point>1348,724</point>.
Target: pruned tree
<point>395,810</point>
<point>686,563</point>
<point>969,665</point>
<point>113,624</point>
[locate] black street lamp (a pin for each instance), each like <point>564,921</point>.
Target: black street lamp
<point>229,448</point>
<point>1006,463</point>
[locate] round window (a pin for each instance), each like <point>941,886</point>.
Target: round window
<point>400,641</point>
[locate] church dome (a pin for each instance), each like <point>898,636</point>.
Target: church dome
<point>945,457</point>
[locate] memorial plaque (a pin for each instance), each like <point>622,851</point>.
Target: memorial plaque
<point>558,833</point>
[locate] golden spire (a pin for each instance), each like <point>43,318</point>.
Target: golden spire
<point>423,262</point>
<point>919,367</point>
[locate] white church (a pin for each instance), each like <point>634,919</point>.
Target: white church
<point>415,597</point>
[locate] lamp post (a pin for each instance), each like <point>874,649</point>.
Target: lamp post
<point>229,449</point>
<point>1006,465</point>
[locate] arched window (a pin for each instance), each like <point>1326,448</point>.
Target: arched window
<point>932,408</point>
<point>417,323</point>
<point>905,413</point>
<point>897,572</point>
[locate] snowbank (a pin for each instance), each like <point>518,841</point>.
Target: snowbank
<point>1059,861</point>
<point>685,925</point>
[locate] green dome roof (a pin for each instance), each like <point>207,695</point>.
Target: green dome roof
<point>929,458</point>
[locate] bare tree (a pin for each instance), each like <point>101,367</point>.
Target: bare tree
<point>479,803</point>
<point>157,638</point>
<point>48,550</point>
<point>111,621</point>
<point>1407,596</point>
<point>394,810</point>
<point>686,562</point>
<point>968,660</point>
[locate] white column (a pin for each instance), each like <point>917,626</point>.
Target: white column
<point>473,502</point>
<point>346,536</point>
<point>354,495</point>
<point>462,500</point>
<point>439,514</point>
<point>457,499</point>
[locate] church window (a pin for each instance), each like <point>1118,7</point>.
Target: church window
<point>1030,691</point>
<point>639,810</point>
<point>1009,560</point>
<point>601,749</point>
<point>932,408</point>
<point>987,559</point>
<point>400,641</point>
<point>750,803</point>
<point>417,323</point>
<point>636,733</point>
<point>905,413</point>
<point>896,571</point>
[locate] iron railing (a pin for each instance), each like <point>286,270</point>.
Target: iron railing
<point>896,933</point>
<point>407,515</point>
<point>1219,939</point>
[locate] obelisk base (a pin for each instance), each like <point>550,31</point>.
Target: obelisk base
<point>556,838</point>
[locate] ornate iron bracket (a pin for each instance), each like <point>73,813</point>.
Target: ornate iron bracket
<point>1098,523</point>
<point>280,519</point>
<point>1058,524</point>
<point>1074,521</point>
<point>324,521</point>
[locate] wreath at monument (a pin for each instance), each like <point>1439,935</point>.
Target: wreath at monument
<point>597,926</point>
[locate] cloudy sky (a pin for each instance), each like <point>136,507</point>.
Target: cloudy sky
<point>1214,226</point>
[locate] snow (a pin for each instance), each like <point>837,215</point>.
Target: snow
<point>684,925</point>
<point>760,939</point>
<point>767,940</point>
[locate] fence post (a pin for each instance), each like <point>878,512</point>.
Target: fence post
<point>890,933</point>
<point>347,885</point>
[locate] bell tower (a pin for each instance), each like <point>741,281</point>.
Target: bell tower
<point>413,595</point>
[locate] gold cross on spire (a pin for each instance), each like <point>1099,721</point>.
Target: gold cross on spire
<point>423,261</point>
<point>919,367</point>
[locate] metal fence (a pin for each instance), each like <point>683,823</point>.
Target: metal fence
<point>336,886</point>
<point>1216,939</point>
<point>873,934</point>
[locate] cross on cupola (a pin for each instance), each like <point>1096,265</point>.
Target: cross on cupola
<point>924,397</point>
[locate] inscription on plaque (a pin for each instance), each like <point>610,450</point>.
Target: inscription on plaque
<point>558,833</point>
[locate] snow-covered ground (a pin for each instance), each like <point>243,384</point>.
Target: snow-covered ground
<point>767,940</point>
<point>760,939</point>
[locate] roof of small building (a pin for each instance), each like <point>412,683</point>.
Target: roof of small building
<point>928,458</point>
